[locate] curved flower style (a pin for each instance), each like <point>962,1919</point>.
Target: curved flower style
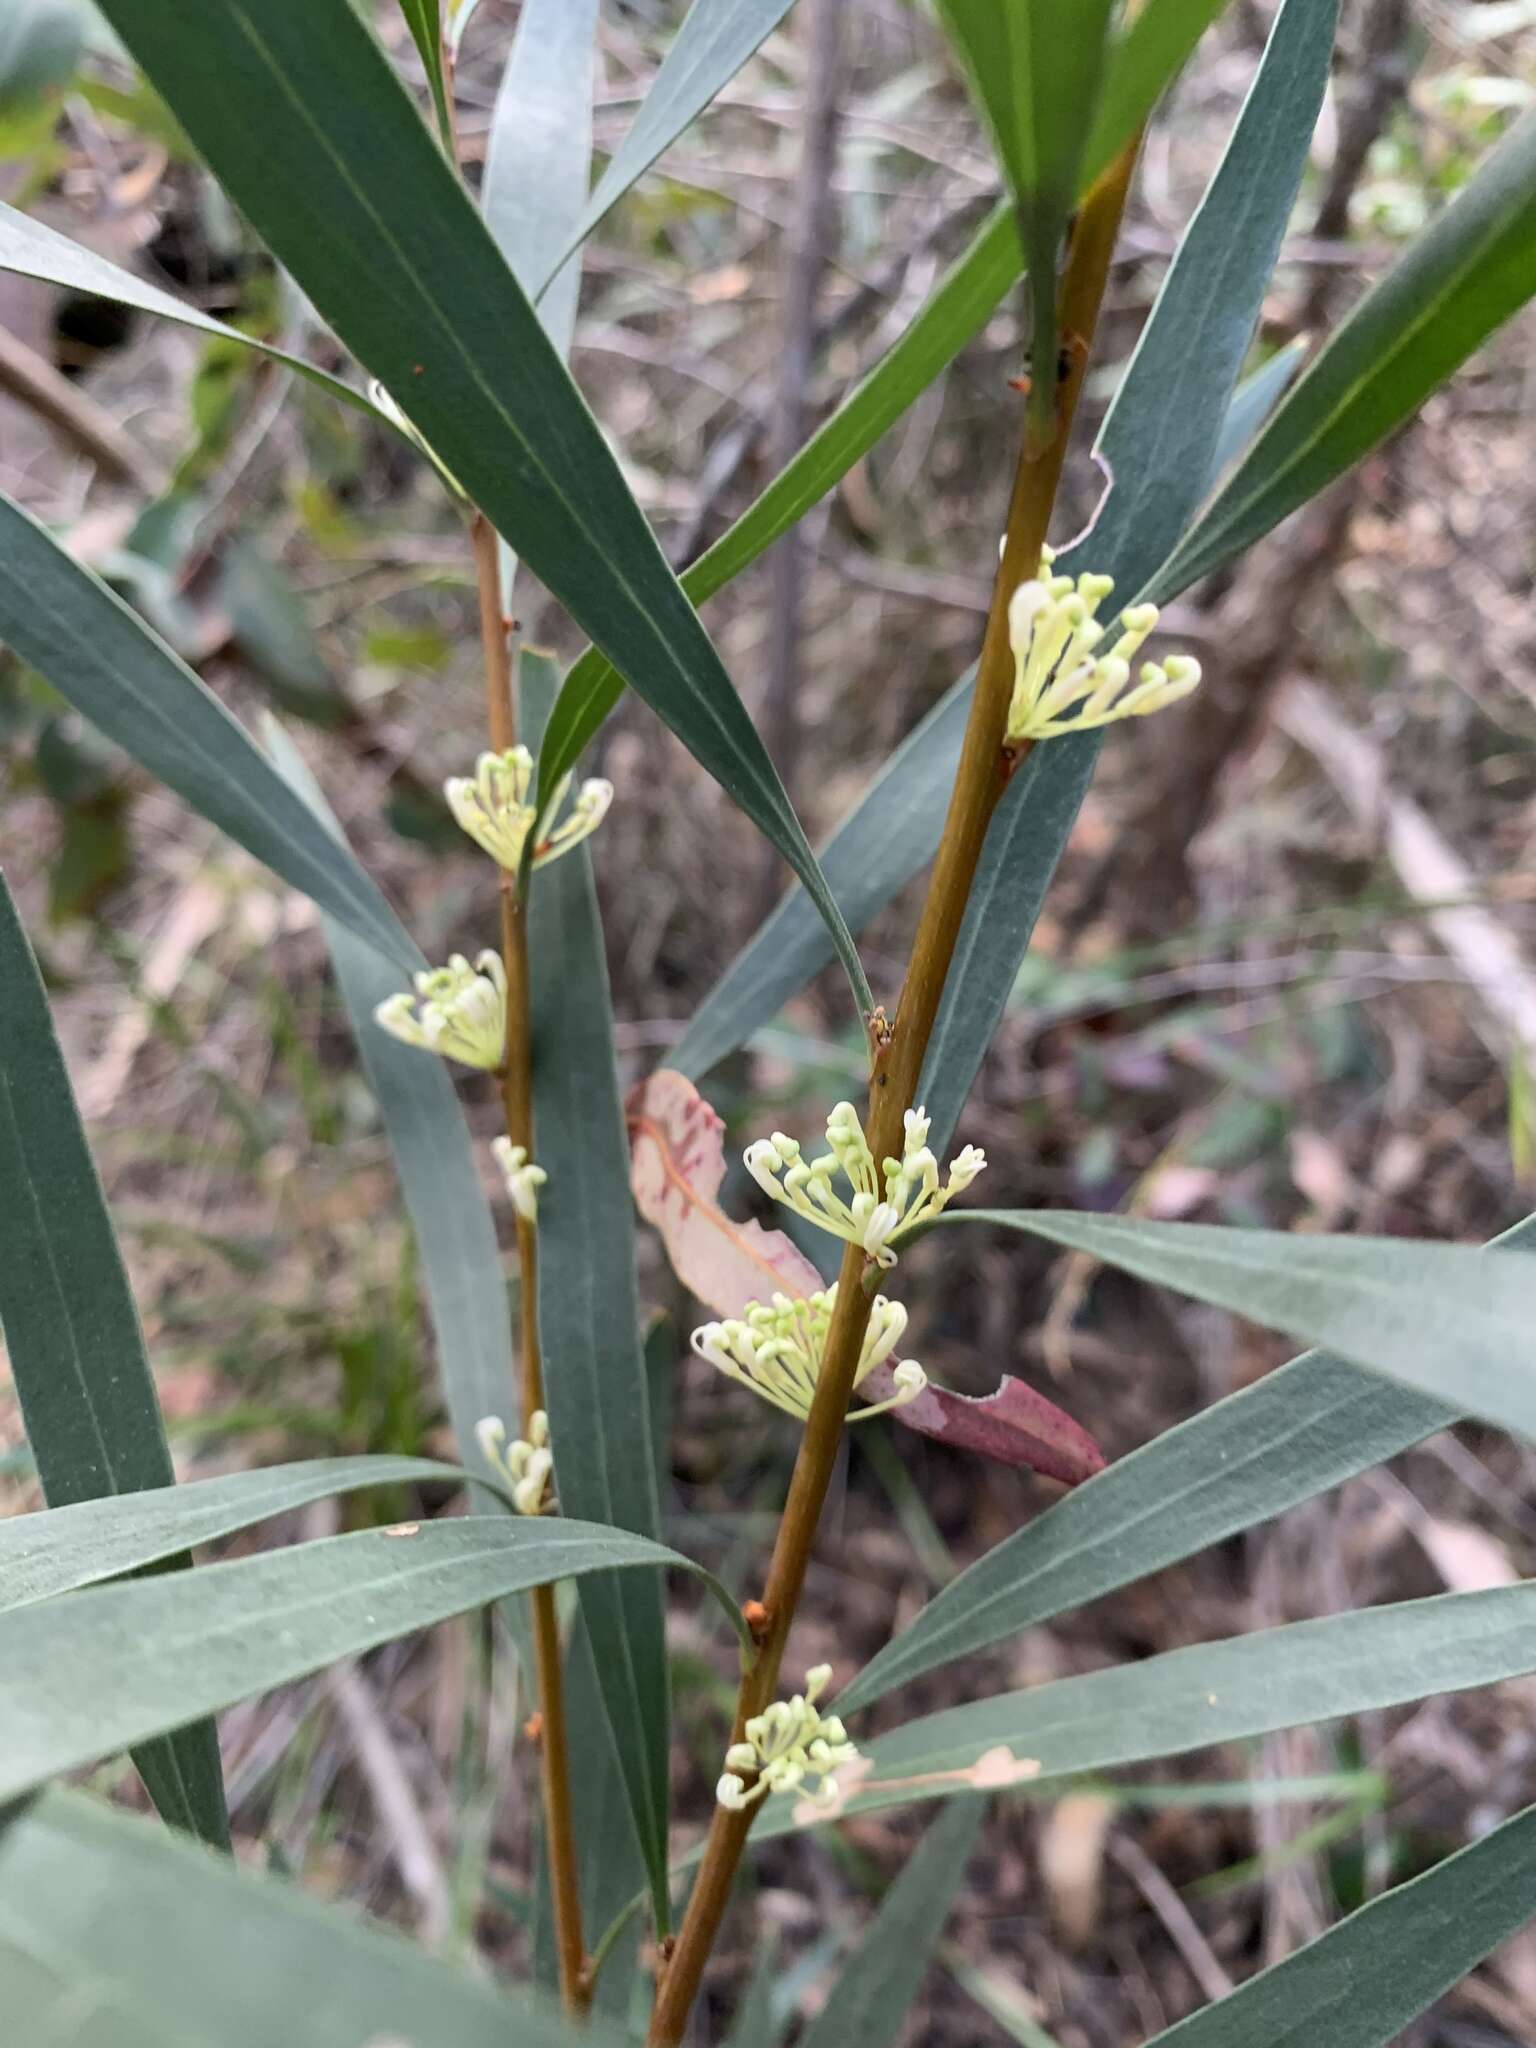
<point>912,1190</point>
<point>526,1463</point>
<point>457,1010</point>
<point>493,807</point>
<point>791,1748</point>
<point>523,1178</point>
<point>776,1349</point>
<point>1061,684</point>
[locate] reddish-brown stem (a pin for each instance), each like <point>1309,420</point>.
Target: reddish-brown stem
<point>517,1104</point>
<point>983,771</point>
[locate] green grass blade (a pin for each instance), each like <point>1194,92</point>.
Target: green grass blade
<point>1287,1438</point>
<point>86,642</point>
<point>1435,1317</point>
<point>31,249</point>
<point>878,1981</point>
<point>716,39</point>
<point>72,1331</point>
<point>1360,1984</point>
<point>62,1548</point>
<point>86,1675</point>
<point>1183,1700</point>
<point>299,114</point>
<point>589,1317</point>
<point>1461,279</point>
<point>1159,443</point>
<point>434,1157</point>
<point>191,1952</point>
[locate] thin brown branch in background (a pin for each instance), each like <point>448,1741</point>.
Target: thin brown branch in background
<point>76,417</point>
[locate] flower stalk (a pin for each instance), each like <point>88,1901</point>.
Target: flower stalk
<point>986,762</point>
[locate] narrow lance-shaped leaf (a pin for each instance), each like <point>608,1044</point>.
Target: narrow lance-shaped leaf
<point>1437,1317</point>
<point>1159,444</point>
<point>1360,1984</point>
<point>88,1674</point>
<point>716,39</point>
<point>86,642</point>
<point>190,1952</point>
<point>1461,279</point>
<point>32,249</point>
<point>1189,1699</point>
<point>421,17</point>
<point>873,1991</point>
<point>55,1551</point>
<point>434,1156</point>
<point>1140,64</point>
<point>589,1314</point>
<point>297,111</point>
<point>1301,1429</point>
<point>72,1332</point>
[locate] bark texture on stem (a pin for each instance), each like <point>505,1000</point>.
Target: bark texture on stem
<point>980,778</point>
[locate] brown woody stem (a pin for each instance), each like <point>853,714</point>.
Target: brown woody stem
<point>983,771</point>
<point>517,1103</point>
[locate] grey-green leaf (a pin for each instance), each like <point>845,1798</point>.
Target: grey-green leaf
<point>878,1981</point>
<point>716,39</point>
<point>127,682</point>
<point>61,1548</point>
<point>1159,444</point>
<point>1360,1984</point>
<point>1462,278</point>
<point>589,1320</point>
<point>434,1157</point>
<point>297,111</point>
<point>174,1949</point>
<point>1189,1699</point>
<point>33,249</point>
<point>1289,1436</point>
<point>1437,1317</point>
<point>90,1673</point>
<point>72,1331</point>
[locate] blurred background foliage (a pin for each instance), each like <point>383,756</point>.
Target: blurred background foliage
<point>1286,977</point>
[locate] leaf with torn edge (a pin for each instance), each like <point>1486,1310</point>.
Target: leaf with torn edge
<point>677,1163</point>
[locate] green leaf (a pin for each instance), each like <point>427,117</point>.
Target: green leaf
<point>609,1864</point>
<point>33,250</point>
<point>297,111</point>
<point>878,1981</point>
<point>1037,80</point>
<point>1437,1317</point>
<point>589,1316</point>
<point>42,1555</point>
<point>538,161</point>
<point>96,653</point>
<point>421,18</point>
<point>268,623</point>
<point>716,39</point>
<point>961,304</point>
<point>86,1675</point>
<point>1253,401</point>
<point>72,1332</point>
<point>1463,277</point>
<point>434,1156</point>
<point>1290,1436</point>
<point>177,1949</point>
<point>1159,444</point>
<point>1359,1985</point>
<point>756,2024</point>
<point>1194,1698</point>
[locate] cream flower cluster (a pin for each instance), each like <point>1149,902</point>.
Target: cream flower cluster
<point>494,807</point>
<point>790,1747</point>
<point>776,1349</point>
<point>1061,682</point>
<point>457,1010</point>
<point>526,1463</point>
<point>871,1217</point>
<point>523,1178</point>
